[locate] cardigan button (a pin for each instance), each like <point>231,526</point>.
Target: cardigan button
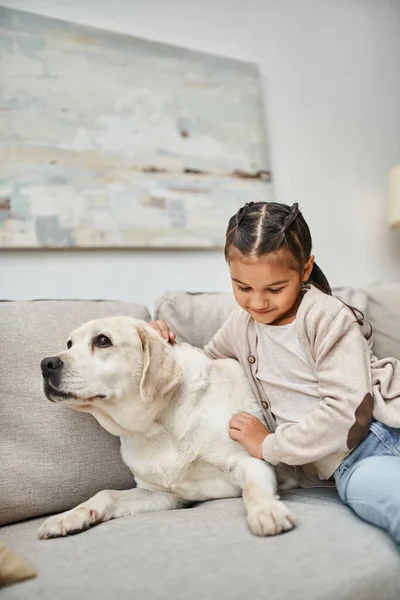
<point>264,404</point>
<point>251,359</point>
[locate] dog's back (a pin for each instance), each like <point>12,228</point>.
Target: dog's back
<point>190,449</point>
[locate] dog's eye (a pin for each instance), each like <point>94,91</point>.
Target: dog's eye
<point>102,341</point>
<point>69,344</point>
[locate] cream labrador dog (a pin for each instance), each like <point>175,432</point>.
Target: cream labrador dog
<point>170,405</point>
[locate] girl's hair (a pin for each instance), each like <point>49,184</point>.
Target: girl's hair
<point>260,228</point>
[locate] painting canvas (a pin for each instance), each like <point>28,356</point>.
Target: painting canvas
<point>109,140</point>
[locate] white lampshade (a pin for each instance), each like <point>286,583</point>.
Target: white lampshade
<point>394,197</point>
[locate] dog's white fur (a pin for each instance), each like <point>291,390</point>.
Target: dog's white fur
<point>170,405</point>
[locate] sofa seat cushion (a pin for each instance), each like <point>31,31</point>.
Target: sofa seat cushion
<point>208,552</point>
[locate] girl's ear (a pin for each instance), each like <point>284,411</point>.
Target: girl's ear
<point>308,267</point>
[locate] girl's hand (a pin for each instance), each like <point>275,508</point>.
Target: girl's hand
<point>248,431</point>
<point>163,330</point>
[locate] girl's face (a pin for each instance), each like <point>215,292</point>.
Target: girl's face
<point>268,287</point>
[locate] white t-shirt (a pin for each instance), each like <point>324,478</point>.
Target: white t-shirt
<point>285,373</point>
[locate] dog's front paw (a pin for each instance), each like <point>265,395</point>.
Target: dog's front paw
<point>269,518</point>
<point>73,521</point>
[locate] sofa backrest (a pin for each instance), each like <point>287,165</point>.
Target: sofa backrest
<point>194,317</point>
<point>383,313</point>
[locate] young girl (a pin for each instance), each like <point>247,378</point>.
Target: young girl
<point>332,409</point>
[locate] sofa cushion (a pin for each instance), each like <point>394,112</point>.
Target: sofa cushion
<point>208,552</point>
<point>51,457</point>
<point>194,317</point>
<point>384,317</point>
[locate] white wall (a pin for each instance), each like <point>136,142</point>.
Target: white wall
<point>332,90</point>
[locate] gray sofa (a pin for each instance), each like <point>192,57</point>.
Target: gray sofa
<point>53,458</point>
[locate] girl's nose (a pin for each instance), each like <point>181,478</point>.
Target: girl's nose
<point>260,303</point>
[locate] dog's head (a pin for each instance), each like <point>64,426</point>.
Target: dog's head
<point>111,360</point>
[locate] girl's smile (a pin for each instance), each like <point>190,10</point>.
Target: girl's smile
<point>262,312</point>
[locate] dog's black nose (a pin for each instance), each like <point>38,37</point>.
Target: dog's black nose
<point>50,365</point>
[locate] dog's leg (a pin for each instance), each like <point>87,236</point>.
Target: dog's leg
<point>106,505</point>
<point>266,514</point>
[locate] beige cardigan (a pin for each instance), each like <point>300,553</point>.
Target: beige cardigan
<point>354,386</point>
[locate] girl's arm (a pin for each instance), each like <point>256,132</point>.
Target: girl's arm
<point>221,344</point>
<point>343,416</point>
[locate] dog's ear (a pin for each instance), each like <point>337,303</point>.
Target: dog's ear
<point>161,373</point>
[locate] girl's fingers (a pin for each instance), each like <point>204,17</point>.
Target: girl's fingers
<point>237,422</point>
<point>163,330</point>
<point>154,325</point>
<point>245,416</point>
<point>166,333</point>
<point>235,434</point>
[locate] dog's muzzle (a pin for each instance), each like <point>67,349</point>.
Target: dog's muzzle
<point>52,368</point>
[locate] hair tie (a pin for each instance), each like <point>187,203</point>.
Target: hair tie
<point>291,217</point>
<point>241,213</point>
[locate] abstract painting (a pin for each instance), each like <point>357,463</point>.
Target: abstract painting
<point>109,140</point>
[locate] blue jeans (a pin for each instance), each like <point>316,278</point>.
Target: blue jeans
<point>368,479</point>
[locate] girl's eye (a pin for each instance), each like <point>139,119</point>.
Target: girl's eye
<point>102,341</point>
<point>248,289</point>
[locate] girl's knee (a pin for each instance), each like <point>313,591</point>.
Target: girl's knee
<point>373,493</point>
<point>374,478</point>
